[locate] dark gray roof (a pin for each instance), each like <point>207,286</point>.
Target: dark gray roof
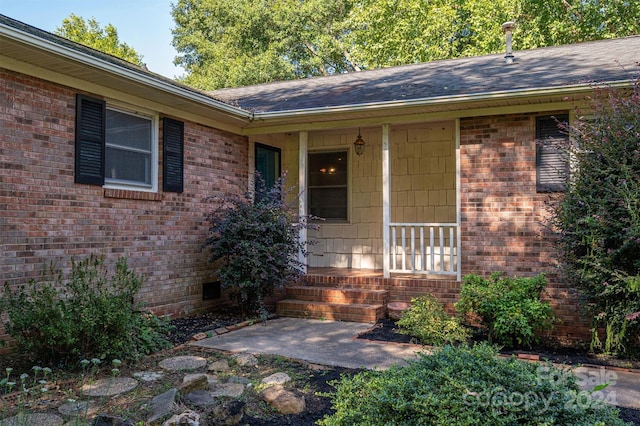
<point>550,67</point>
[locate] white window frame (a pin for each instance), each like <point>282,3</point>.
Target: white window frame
<point>154,119</point>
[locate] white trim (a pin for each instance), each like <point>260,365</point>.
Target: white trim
<point>386,200</point>
<point>303,142</point>
<point>458,203</point>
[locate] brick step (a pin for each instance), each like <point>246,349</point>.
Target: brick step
<point>369,283</point>
<point>338,295</point>
<point>330,311</point>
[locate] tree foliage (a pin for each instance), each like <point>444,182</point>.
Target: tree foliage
<point>598,218</point>
<point>228,43</point>
<point>106,39</point>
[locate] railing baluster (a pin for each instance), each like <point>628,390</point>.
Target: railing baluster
<point>393,247</point>
<point>441,234</point>
<point>451,254</point>
<point>403,233</point>
<point>413,248</point>
<point>432,263</point>
<point>422,253</point>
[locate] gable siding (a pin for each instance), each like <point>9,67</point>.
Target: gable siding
<point>503,216</point>
<point>46,217</point>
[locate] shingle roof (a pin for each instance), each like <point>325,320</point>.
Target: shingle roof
<point>598,61</point>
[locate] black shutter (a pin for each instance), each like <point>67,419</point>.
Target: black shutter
<point>552,166</point>
<point>90,140</point>
<point>172,154</point>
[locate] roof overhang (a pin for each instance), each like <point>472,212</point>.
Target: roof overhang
<point>22,48</point>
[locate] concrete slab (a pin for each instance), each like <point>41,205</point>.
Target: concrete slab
<point>331,343</point>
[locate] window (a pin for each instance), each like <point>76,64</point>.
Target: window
<point>328,195</point>
<point>552,166</point>
<point>119,148</point>
<point>268,163</point>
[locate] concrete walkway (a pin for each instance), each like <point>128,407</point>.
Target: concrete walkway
<point>334,343</point>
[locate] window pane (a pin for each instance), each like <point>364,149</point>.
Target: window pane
<point>123,165</point>
<point>128,130</point>
<point>328,203</point>
<point>268,164</point>
<point>128,148</point>
<point>328,192</point>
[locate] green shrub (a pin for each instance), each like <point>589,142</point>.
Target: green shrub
<point>466,386</point>
<point>254,243</point>
<point>427,321</point>
<point>510,308</point>
<point>87,315</point>
<point>598,219</point>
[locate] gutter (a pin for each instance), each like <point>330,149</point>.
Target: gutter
<point>439,100</point>
<point>129,74</point>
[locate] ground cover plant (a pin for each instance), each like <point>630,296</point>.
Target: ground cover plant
<point>509,307</point>
<point>91,313</point>
<point>465,385</point>
<point>427,321</point>
<point>254,243</point>
<point>598,218</point>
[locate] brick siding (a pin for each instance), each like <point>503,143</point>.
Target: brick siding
<point>46,217</point>
<point>504,220</point>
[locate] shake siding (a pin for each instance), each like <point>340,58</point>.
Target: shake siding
<point>46,217</point>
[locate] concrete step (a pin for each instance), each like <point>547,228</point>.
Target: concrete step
<point>354,312</point>
<point>338,295</point>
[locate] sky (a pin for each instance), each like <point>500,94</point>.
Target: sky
<point>144,25</point>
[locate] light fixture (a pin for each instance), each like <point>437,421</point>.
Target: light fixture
<point>358,145</point>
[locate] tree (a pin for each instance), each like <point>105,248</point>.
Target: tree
<point>598,219</point>
<point>227,43</point>
<point>106,40</point>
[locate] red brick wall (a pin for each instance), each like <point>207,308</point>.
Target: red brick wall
<point>45,216</point>
<point>504,219</point>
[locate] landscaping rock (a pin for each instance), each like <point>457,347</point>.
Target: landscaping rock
<point>277,379</point>
<point>220,365</point>
<point>188,418</point>
<point>283,400</point>
<point>245,359</point>
<point>77,409</point>
<point>226,414</point>
<point>237,379</point>
<point>193,382</point>
<point>107,420</point>
<point>149,376</point>
<point>40,419</point>
<point>109,386</point>
<point>211,379</point>
<point>183,363</point>
<point>199,399</point>
<point>233,390</point>
<point>162,406</point>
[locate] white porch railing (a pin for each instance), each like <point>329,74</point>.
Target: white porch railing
<point>424,248</point>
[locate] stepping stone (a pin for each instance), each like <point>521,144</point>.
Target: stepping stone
<point>182,363</point>
<point>211,379</point>
<point>277,379</point>
<point>109,386</point>
<point>149,376</point>
<point>220,365</point>
<point>162,406</point>
<point>233,390</point>
<point>245,359</point>
<point>40,419</point>
<point>77,409</point>
<point>199,398</point>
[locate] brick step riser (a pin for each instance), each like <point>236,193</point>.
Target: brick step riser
<point>329,295</point>
<point>351,313</point>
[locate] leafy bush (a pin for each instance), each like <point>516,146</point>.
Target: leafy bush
<point>466,386</point>
<point>510,308</point>
<point>598,219</point>
<point>254,242</point>
<point>427,321</point>
<point>87,315</point>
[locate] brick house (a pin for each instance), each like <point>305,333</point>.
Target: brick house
<point>451,174</point>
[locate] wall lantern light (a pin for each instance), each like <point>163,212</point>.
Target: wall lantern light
<point>358,145</point>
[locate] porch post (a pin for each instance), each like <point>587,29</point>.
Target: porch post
<point>303,139</point>
<point>386,201</point>
<point>458,204</point>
